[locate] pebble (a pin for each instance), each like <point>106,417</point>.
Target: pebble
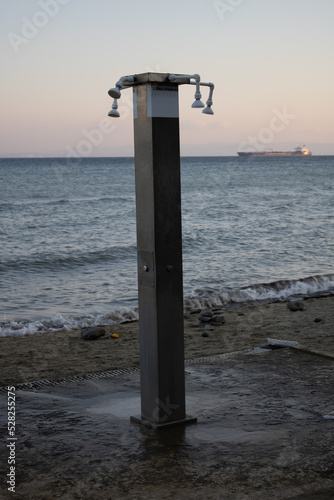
<point>207,313</point>
<point>317,320</point>
<point>204,319</point>
<point>195,311</point>
<point>295,306</point>
<point>92,333</point>
<point>211,317</point>
<point>218,319</point>
<point>205,334</point>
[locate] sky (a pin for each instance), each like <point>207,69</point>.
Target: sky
<point>271,63</point>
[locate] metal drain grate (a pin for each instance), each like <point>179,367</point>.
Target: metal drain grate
<point>218,357</point>
<point>282,343</point>
<point>26,386</point>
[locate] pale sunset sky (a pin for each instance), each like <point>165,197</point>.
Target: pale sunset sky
<point>271,62</point>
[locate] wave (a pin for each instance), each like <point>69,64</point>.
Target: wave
<point>282,290</point>
<point>58,322</point>
<point>274,291</point>
<point>44,199</point>
<point>72,259</point>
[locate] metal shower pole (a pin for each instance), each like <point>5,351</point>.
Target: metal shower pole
<point>159,243</point>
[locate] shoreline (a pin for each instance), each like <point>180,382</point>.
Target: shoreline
<point>281,290</point>
<point>57,355</point>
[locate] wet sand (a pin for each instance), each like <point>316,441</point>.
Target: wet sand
<point>265,420</point>
<point>57,355</point>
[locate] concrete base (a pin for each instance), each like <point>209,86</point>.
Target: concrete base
<point>162,425</point>
<point>265,430</point>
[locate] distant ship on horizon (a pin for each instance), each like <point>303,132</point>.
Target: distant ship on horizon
<point>299,151</point>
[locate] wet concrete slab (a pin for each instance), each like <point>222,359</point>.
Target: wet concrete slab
<point>265,429</point>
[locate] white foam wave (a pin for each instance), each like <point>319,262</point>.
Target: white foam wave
<point>277,290</point>
<point>59,322</point>
<point>201,299</point>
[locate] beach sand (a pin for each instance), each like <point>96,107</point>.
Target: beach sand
<point>57,355</point>
<point>264,429</point>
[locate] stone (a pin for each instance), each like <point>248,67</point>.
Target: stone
<point>204,319</point>
<point>205,334</point>
<point>207,312</point>
<point>92,333</point>
<point>218,319</point>
<point>318,320</point>
<point>295,306</point>
<point>209,328</point>
<point>195,311</point>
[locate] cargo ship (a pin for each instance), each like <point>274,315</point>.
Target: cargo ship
<point>299,151</point>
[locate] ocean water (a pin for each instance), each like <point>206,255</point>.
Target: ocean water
<point>253,229</point>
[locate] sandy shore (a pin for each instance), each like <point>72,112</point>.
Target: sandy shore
<point>57,355</point>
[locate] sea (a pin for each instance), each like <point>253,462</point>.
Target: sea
<point>254,230</point>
